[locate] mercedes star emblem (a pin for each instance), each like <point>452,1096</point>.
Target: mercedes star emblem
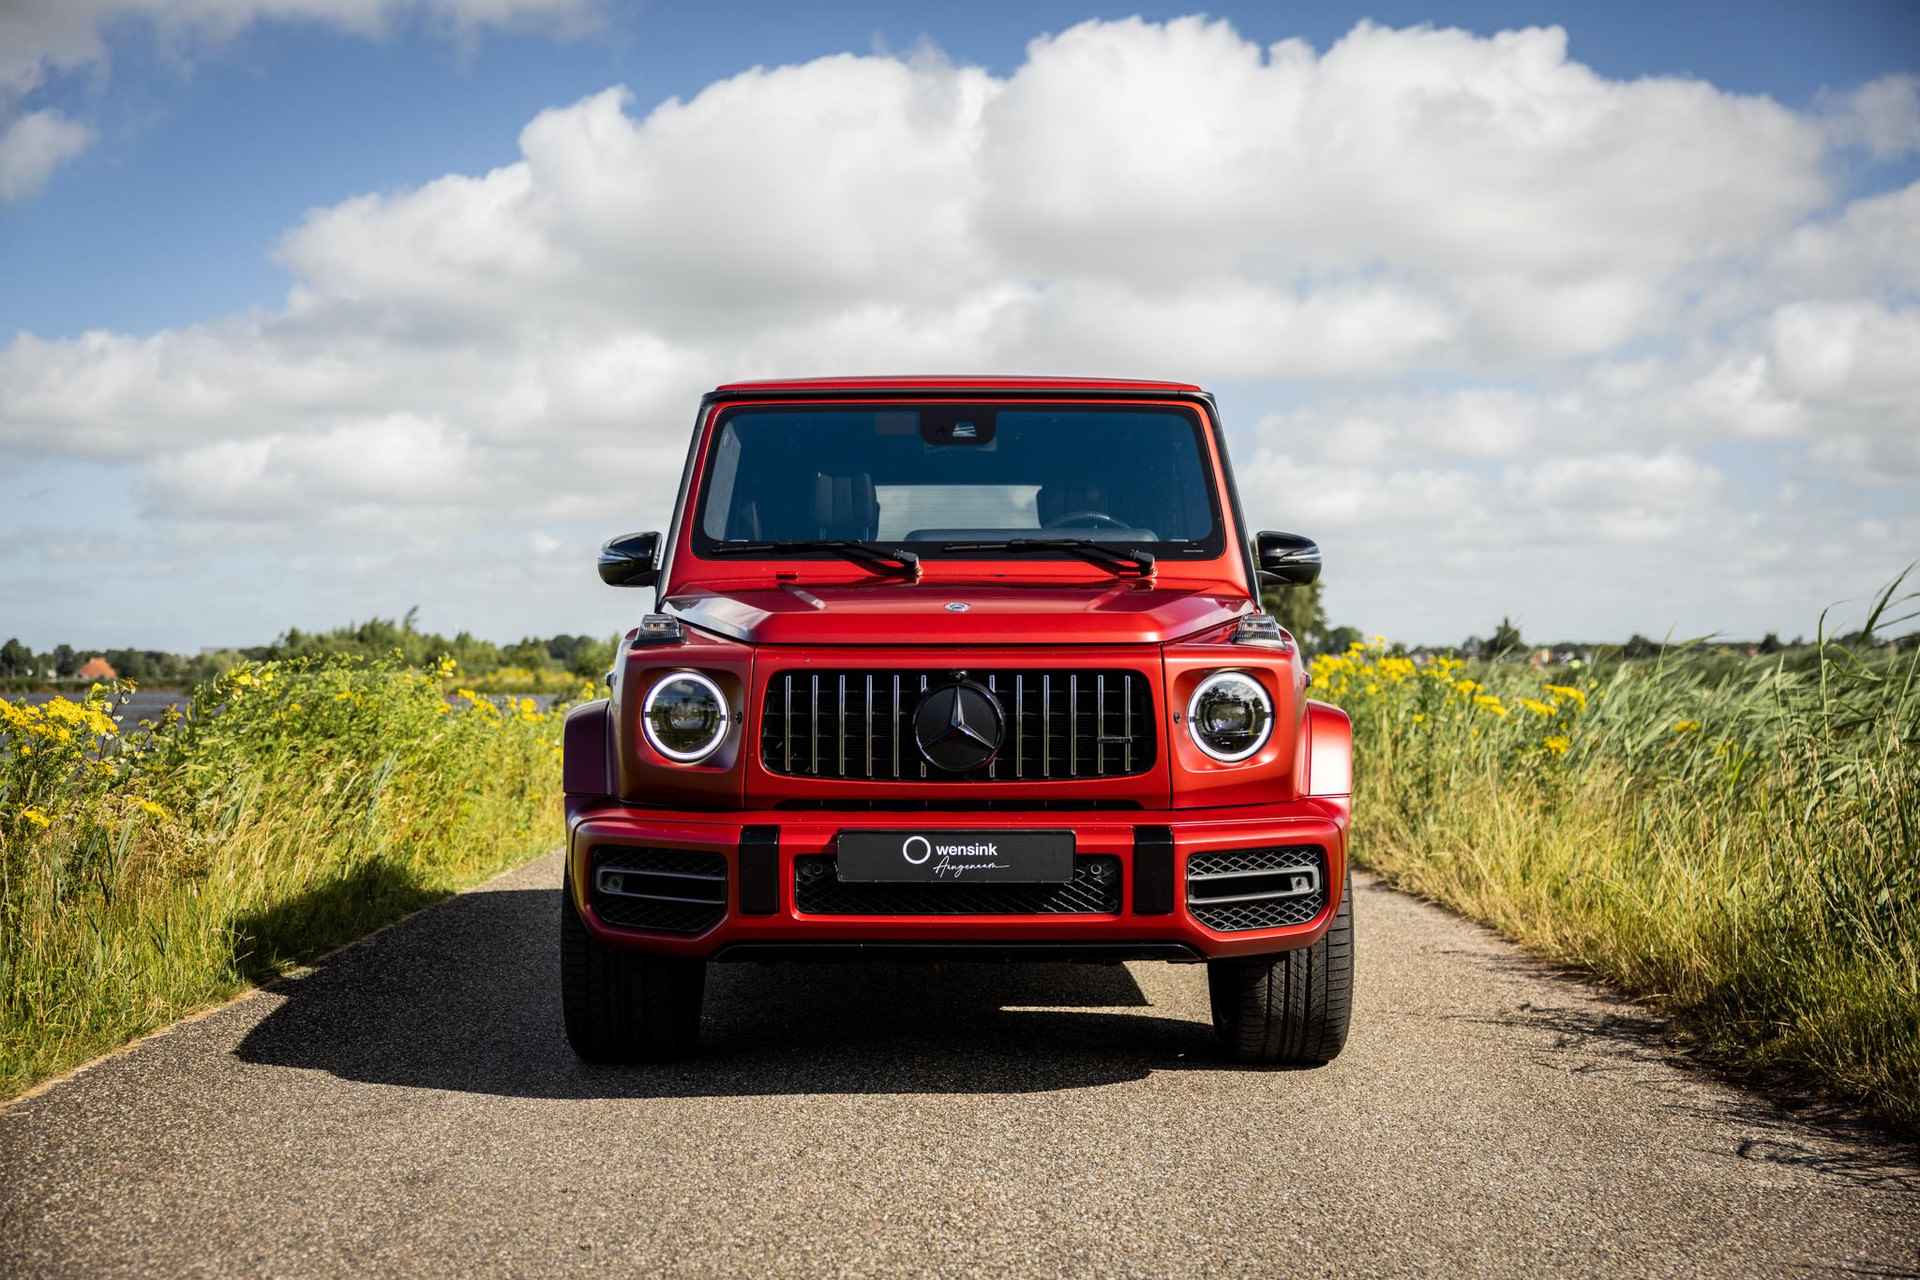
<point>959,726</point>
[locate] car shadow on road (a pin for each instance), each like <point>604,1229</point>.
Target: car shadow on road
<point>1778,1119</point>
<point>466,997</point>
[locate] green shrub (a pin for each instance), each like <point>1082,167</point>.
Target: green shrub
<point>295,806</point>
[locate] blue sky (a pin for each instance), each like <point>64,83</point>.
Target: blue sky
<point>203,164</point>
<point>210,146</point>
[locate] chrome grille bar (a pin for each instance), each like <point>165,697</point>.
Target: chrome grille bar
<point>1073,726</point>
<point>1019,725</point>
<point>993,766</point>
<point>1100,724</point>
<point>841,742</point>
<point>1046,726</point>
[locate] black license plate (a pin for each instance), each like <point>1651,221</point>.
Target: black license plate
<point>938,856</point>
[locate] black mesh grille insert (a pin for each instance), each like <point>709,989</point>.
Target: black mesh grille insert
<point>1257,888</point>
<point>859,724</point>
<point>659,890</point>
<point>1094,890</point>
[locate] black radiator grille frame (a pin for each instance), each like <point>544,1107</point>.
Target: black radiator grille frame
<point>856,724</point>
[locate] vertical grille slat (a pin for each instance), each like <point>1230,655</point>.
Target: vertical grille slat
<point>1019,725</point>
<point>813,724</point>
<point>1046,726</point>
<point>1062,724</point>
<point>1100,724</point>
<point>1073,726</point>
<point>786,722</point>
<point>841,741</point>
<point>923,693</point>
<point>993,766</point>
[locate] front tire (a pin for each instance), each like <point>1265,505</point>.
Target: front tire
<point>1289,1009</point>
<point>623,1006</point>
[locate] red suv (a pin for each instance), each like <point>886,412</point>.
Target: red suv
<point>958,667</point>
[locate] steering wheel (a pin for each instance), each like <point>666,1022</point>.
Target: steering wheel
<point>1086,520</point>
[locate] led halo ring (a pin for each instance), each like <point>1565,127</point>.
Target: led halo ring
<point>720,730</point>
<point>1193,722</point>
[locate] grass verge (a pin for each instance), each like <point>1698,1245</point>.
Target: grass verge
<point>297,806</point>
<point>1741,846</point>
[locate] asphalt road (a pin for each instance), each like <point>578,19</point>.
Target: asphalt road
<point>410,1109</point>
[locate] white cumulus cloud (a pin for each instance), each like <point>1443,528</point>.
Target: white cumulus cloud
<point>1471,302</point>
<point>32,146</point>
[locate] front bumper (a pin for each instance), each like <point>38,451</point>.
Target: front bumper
<point>763,913</point>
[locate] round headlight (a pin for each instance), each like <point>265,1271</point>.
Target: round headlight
<point>685,716</point>
<point>1230,716</point>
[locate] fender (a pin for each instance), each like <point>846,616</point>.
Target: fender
<point>587,754</point>
<point>1325,764</point>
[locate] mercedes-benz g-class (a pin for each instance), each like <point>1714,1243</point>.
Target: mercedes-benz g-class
<point>957,667</point>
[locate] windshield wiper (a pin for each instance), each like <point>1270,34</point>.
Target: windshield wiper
<point>848,547</point>
<point>1102,552</point>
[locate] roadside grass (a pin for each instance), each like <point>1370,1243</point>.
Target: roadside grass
<point>1741,846</point>
<point>298,805</point>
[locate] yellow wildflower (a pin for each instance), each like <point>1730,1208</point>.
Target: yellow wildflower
<point>1468,686</point>
<point>1536,706</point>
<point>37,818</point>
<point>1576,696</point>
<point>1558,744</point>
<point>1686,726</point>
<point>1488,702</point>
<point>149,808</point>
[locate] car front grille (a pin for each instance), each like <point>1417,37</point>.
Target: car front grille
<point>1094,890</point>
<point>658,890</point>
<point>858,724</point>
<point>1257,888</point>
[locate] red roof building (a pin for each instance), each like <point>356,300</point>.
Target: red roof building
<point>97,668</point>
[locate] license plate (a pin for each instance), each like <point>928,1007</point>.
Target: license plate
<point>939,856</point>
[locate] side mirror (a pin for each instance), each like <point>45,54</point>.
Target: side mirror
<point>628,560</point>
<point>1287,558</point>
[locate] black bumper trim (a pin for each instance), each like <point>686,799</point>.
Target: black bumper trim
<point>759,871</point>
<point>1105,952</point>
<point>1153,871</point>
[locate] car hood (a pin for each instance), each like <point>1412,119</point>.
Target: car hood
<point>936,613</point>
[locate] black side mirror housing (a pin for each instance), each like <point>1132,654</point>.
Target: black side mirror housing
<point>1287,558</point>
<point>628,560</point>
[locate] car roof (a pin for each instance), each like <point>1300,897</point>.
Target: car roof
<point>955,382</point>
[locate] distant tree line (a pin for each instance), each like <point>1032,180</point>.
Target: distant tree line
<point>581,655</point>
<point>1302,611</point>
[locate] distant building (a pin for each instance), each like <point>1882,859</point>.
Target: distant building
<point>97,668</point>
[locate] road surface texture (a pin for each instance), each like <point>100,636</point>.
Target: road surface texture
<point>410,1109</point>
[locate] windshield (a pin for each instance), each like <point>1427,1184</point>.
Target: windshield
<point>928,475</point>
